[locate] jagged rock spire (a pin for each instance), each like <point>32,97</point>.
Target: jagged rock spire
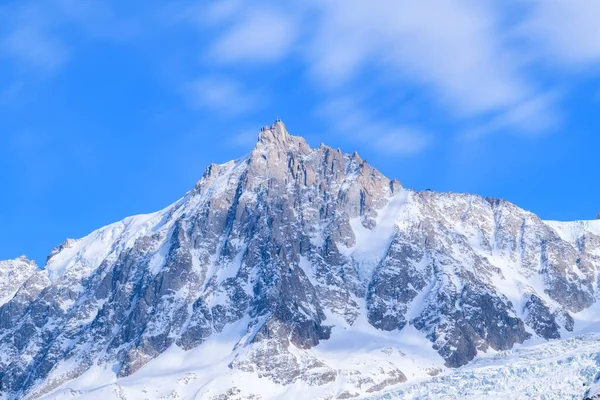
<point>275,134</point>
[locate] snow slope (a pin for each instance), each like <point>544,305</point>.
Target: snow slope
<point>556,370</point>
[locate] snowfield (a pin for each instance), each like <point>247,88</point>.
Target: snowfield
<point>555,370</point>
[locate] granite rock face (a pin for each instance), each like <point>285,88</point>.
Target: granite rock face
<point>285,241</point>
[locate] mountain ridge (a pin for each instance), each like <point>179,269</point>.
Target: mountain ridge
<point>298,248</point>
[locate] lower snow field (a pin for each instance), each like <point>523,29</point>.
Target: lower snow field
<point>561,369</point>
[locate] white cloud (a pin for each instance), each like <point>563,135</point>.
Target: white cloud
<point>345,113</point>
<point>401,141</point>
<point>245,138</point>
<point>534,116</point>
<point>260,36</point>
<point>349,118</point>
<point>456,51</point>
<point>222,10</point>
<point>565,31</point>
<point>32,45</point>
<point>452,47</point>
<point>459,54</point>
<point>222,95</point>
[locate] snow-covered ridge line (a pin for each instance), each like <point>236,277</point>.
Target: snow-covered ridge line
<point>303,269</point>
<point>86,254</point>
<point>574,230</point>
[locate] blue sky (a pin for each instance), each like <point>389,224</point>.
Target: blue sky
<point>109,109</point>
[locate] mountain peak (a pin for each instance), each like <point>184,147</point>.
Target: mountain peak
<point>276,133</point>
<point>275,140</point>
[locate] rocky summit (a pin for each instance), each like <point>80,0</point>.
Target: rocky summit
<point>293,272</point>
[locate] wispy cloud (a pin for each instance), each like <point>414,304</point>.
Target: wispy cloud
<point>457,51</point>
<point>462,55</point>
<point>220,11</point>
<point>40,34</point>
<point>565,32</point>
<point>532,117</point>
<point>353,120</point>
<point>246,138</point>
<point>400,141</point>
<point>260,36</point>
<point>452,47</point>
<point>33,46</point>
<point>222,95</point>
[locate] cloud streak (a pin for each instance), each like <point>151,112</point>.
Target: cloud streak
<point>33,46</point>
<point>222,95</point>
<point>533,117</point>
<point>458,51</point>
<point>352,119</point>
<point>564,32</point>
<point>476,60</point>
<point>451,47</point>
<point>260,36</point>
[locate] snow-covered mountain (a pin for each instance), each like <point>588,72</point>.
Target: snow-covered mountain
<point>293,272</point>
